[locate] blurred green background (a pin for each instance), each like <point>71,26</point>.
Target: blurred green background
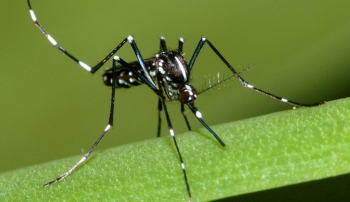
<point>51,108</point>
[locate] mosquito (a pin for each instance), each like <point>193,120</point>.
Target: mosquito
<point>167,74</point>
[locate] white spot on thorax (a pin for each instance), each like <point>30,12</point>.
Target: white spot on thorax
<point>182,68</point>
<point>161,70</point>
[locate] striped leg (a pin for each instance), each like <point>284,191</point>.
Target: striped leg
<point>81,63</point>
<point>161,105</point>
<point>182,164</point>
<point>240,79</point>
<point>185,117</point>
<point>109,125</point>
<point>160,108</point>
<point>172,134</point>
<point>198,115</point>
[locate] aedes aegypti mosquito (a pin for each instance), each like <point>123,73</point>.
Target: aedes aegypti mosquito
<point>167,74</point>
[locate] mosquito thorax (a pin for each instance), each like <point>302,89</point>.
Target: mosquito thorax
<point>173,67</point>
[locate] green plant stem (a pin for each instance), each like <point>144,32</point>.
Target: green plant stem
<point>265,152</point>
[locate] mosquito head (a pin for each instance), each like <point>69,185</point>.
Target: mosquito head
<point>186,93</point>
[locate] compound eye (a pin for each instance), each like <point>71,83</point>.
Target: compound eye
<point>186,94</point>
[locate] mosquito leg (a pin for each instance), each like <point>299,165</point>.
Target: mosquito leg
<point>163,47</point>
<point>172,135</point>
<point>185,117</point>
<point>81,63</point>
<point>181,42</point>
<point>160,108</point>
<point>198,115</point>
<point>241,80</point>
<point>109,125</point>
